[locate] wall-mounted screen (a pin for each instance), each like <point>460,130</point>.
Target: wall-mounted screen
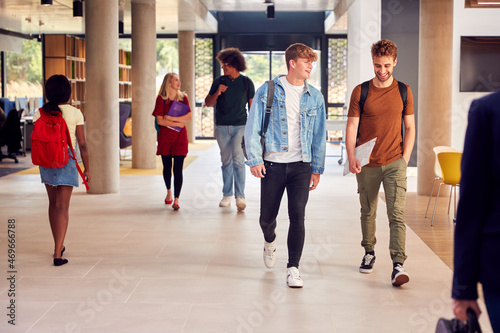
<point>479,64</point>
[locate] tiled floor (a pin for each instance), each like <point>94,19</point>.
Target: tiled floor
<point>138,266</point>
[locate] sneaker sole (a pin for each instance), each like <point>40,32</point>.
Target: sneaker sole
<point>270,266</point>
<point>241,207</point>
<point>295,287</point>
<point>400,280</point>
<point>365,270</point>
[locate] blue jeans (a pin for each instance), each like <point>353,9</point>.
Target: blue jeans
<point>295,178</point>
<point>233,161</point>
<point>492,300</point>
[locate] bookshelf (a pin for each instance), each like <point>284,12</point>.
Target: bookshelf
<point>65,54</point>
<point>125,76</point>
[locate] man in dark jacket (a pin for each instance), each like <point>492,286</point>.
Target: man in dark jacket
<point>477,232</point>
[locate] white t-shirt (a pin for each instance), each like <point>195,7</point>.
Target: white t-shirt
<point>73,118</point>
<point>293,95</point>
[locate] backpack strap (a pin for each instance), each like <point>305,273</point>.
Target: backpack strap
<point>403,91</point>
<point>364,93</point>
<point>246,81</point>
<point>269,105</point>
<point>74,157</point>
<point>362,99</point>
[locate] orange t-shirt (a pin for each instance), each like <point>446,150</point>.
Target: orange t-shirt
<point>381,118</point>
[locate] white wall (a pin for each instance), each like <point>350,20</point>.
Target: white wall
<point>364,26</point>
<point>467,22</point>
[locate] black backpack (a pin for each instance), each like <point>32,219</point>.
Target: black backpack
<point>403,91</point>
<point>269,105</point>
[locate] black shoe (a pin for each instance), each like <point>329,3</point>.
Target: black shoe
<point>60,261</point>
<point>367,263</point>
<point>399,276</point>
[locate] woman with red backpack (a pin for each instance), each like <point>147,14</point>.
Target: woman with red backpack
<point>59,181</point>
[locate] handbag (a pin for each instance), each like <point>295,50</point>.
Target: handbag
<point>457,326</point>
<point>269,104</point>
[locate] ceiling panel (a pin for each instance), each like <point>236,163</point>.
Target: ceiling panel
<point>33,18</point>
<point>58,18</point>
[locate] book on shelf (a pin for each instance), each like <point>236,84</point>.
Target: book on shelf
<point>177,109</point>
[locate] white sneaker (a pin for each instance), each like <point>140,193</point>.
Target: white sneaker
<point>225,202</point>
<point>240,203</point>
<point>293,278</point>
<point>270,253</point>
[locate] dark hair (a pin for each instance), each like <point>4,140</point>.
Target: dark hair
<point>233,57</point>
<point>57,91</point>
<point>384,48</point>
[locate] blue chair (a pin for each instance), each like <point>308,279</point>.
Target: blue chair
<point>125,141</point>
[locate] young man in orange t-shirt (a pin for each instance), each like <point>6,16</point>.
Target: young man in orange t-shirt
<point>381,118</point>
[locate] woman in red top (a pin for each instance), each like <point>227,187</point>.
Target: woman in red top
<point>172,144</point>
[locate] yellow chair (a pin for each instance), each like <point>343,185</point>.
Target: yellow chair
<point>437,169</point>
<point>450,169</point>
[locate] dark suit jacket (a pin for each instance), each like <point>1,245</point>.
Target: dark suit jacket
<point>477,233</point>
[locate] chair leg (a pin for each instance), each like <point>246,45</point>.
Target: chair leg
<point>435,205</point>
<point>430,196</point>
<point>455,202</point>
<point>449,201</point>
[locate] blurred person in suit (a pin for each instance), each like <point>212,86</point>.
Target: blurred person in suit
<point>477,231</point>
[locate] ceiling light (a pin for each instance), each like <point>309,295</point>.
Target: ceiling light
<point>270,12</point>
<point>46,2</point>
<point>77,8</point>
<point>268,2</point>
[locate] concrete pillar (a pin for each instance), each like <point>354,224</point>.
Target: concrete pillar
<point>364,27</point>
<point>143,84</point>
<point>101,96</point>
<point>186,74</point>
<point>435,79</point>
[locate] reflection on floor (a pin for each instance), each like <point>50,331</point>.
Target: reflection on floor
<point>135,265</point>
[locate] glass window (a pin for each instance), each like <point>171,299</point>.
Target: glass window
<point>203,115</point>
<point>24,71</point>
<point>337,70</point>
<point>257,67</point>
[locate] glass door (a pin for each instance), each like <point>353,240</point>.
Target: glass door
<point>266,65</point>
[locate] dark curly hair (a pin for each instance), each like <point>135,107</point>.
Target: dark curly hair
<point>384,48</point>
<point>233,57</point>
<point>57,91</point>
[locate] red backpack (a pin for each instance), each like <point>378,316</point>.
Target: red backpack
<point>50,140</point>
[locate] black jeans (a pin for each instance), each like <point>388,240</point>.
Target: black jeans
<point>167,172</point>
<point>295,178</point>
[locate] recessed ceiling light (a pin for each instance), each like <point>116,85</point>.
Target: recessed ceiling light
<point>77,8</point>
<point>270,12</point>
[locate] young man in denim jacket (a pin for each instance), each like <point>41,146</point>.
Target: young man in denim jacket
<point>294,153</point>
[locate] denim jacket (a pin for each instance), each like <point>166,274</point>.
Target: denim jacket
<point>312,126</point>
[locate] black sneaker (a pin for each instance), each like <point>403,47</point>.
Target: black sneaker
<point>367,263</point>
<point>399,276</point>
